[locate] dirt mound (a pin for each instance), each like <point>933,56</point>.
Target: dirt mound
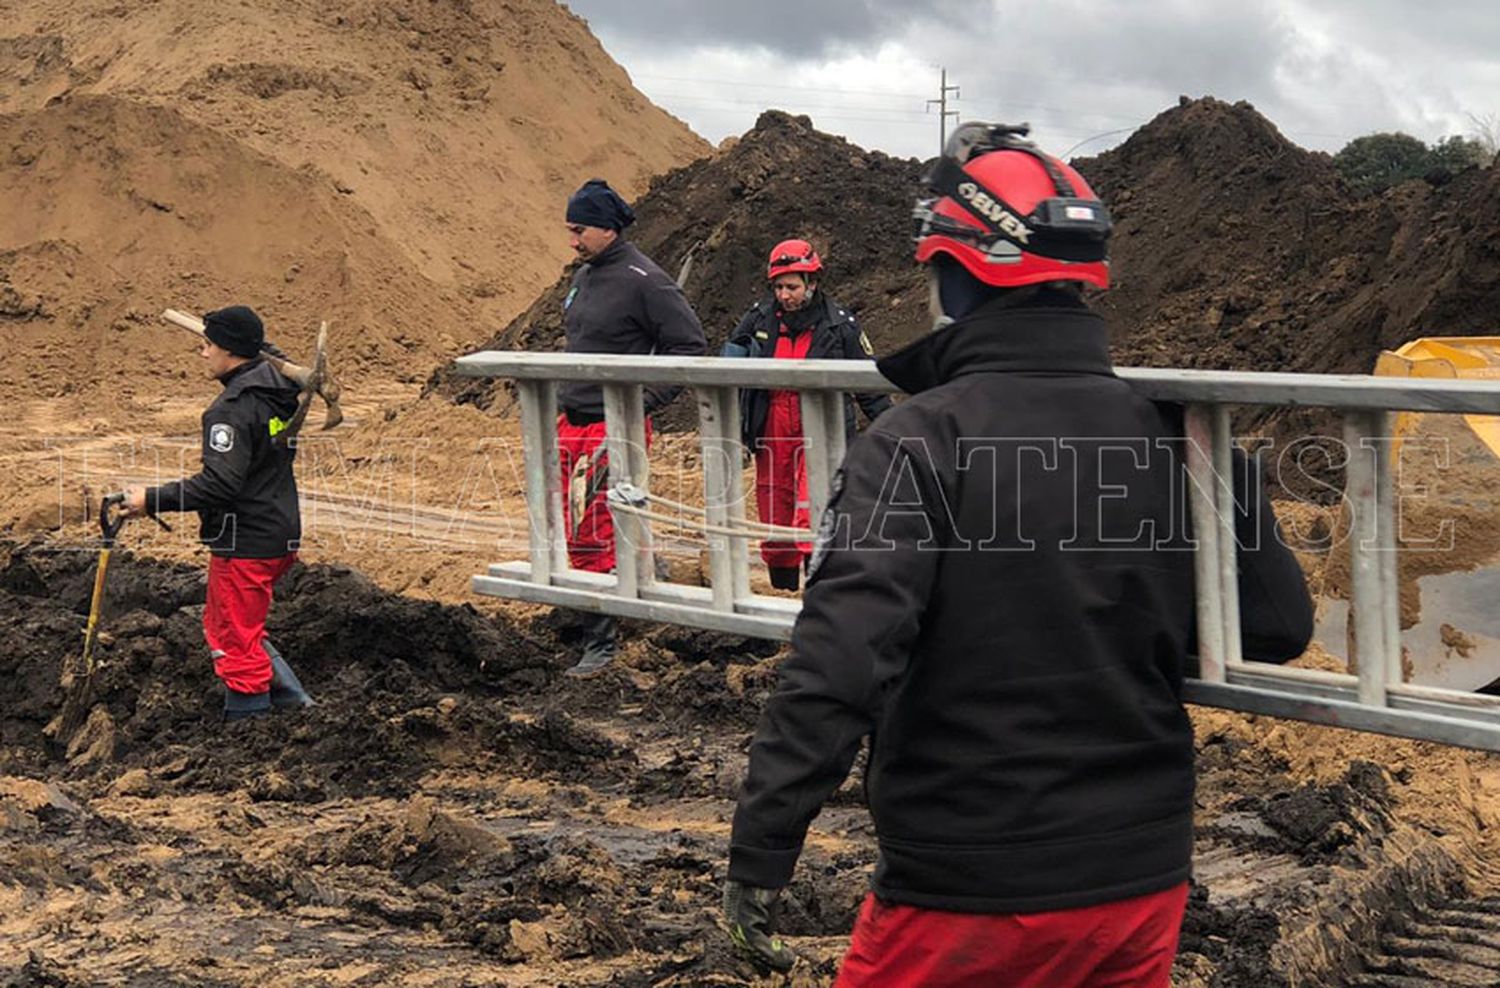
<point>1234,248</point>
<point>397,170</point>
<point>113,231</point>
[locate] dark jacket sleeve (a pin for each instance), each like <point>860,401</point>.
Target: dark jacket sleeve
<point>741,339</point>
<point>857,347</point>
<point>1276,610</point>
<point>225,466</point>
<point>860,619</point>
<point>676,332</point>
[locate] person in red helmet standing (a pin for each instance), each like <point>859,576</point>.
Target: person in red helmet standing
<point>795,321</point>
<point>1001,600</point>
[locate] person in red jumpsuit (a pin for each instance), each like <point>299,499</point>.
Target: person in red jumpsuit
<point>795,321</point>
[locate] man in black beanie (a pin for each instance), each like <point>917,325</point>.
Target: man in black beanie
<point>620,302</point>
<point>246,499</point>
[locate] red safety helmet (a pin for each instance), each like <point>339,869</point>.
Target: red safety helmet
<point>1010,214</point>
<point>793,257</point>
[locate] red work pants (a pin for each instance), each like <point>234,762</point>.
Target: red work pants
<point>1125,944</point>
<point>585,484</point>
<point>781,479</point>
<point>234,620</point>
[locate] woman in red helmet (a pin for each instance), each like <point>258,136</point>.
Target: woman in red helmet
<point>795,321</point>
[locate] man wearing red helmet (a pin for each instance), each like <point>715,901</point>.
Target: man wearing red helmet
<point>1001,600</point>
<point>796,321</point>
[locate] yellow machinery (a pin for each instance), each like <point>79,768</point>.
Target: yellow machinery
<point>1452,357</point>
<point>1448,521</point>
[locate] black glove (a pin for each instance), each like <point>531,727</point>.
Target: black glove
<point>747,908</point>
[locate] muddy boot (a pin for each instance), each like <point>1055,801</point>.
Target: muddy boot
<point>242,706</point>
<point>784,577</point>
<point>286,689</point>
<point>598,647</point>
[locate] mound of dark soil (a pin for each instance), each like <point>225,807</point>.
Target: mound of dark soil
<point>402,684</point>
<point>1234,248</point>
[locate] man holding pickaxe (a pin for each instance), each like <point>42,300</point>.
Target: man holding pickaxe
<point>246,499</point>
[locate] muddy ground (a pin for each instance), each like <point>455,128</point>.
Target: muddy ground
<point>455,812</point>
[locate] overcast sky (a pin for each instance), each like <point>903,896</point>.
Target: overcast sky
<point>1083,72</point>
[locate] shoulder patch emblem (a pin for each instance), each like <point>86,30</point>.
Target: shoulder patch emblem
<point>221,437</point>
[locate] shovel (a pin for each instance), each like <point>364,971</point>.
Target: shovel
<point>80,695</point>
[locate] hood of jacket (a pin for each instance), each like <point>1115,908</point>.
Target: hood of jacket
<point>1040,336</point>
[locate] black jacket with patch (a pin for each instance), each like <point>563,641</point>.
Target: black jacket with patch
<point>621,302</point>
<point>836,336</point>
<point>1002,601</point>
<point>246,494</point>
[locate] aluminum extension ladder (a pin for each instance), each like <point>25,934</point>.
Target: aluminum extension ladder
<point>1376,699</point>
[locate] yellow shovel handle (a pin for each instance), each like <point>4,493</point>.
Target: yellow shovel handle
<point>89,632</point>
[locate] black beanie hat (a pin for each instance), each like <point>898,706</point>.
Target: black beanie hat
<point>596,204</point>
<point>236,329</point>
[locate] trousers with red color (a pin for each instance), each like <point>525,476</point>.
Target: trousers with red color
<point>585,483</point>
<point>234,618</point>
<point>780,466</point>
<point>1124,944</point>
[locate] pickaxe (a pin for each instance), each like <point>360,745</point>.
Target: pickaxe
<point>314,379</point>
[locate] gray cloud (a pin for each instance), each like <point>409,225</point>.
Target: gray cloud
<point>796,28</point>
<point>1324,71</point>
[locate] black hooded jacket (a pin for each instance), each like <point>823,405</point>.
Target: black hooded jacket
<point>622,302</point>
<point>836,336</point>
<point>1002,601</point>
<point>246,494</point>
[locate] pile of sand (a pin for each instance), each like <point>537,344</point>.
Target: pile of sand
<point>398,171</point>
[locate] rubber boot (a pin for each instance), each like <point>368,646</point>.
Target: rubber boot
<point>598,647</point>
<point>784,577</point>
<point>286,689</point>
<point>242,706</point>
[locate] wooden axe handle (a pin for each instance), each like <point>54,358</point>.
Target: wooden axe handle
<point>194,325</point>
<point>319,377</point>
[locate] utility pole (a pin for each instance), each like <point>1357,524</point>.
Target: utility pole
<point>943,112</point>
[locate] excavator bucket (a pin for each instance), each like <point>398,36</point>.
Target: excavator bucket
<point>1447,479</point>
<point>1451,357</point>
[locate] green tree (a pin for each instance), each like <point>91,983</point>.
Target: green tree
<point>1454,154</point>
<point>1379,161</point>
